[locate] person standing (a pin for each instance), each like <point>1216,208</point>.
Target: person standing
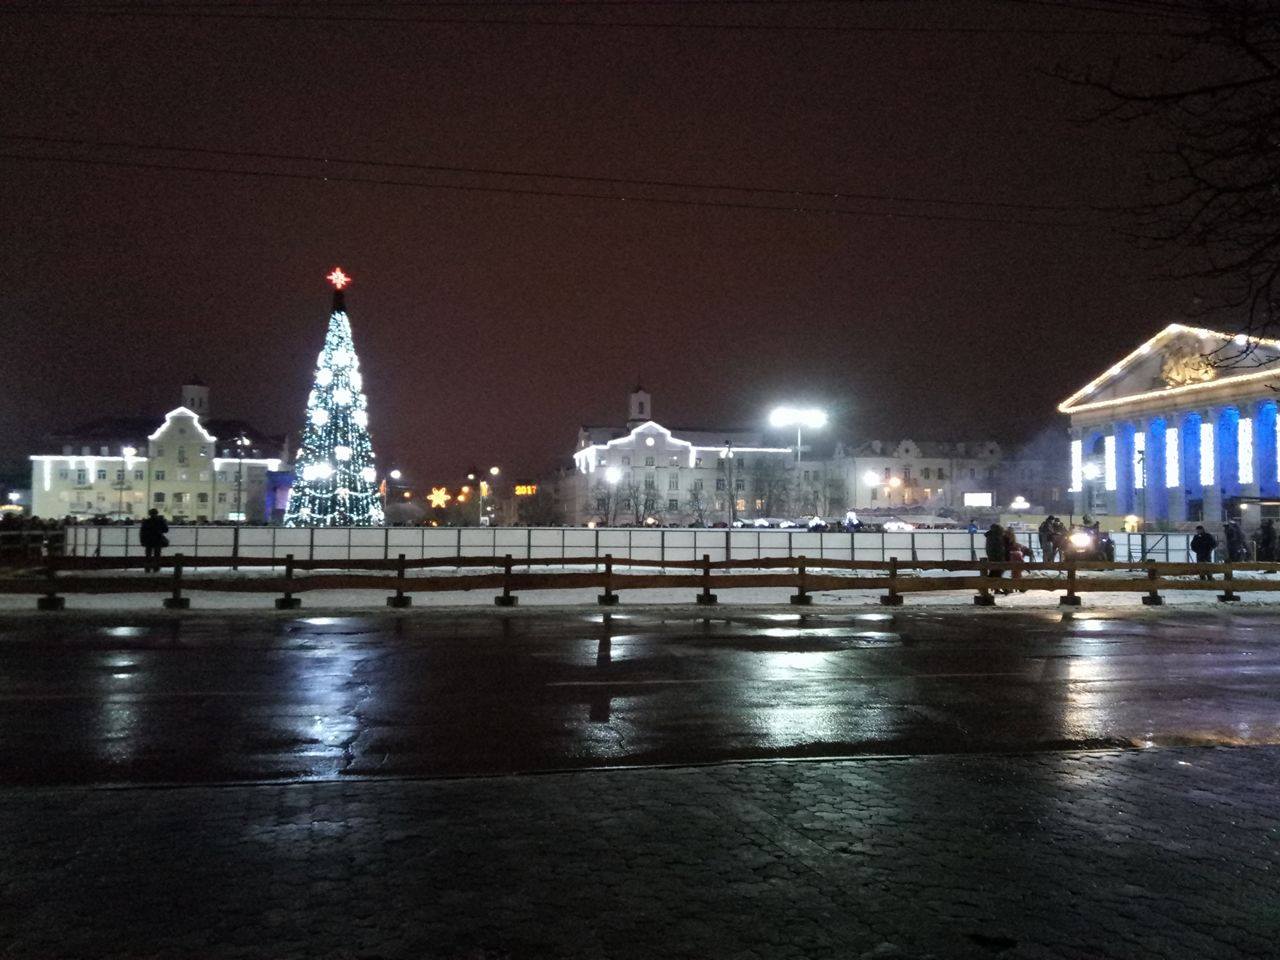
<point>1237,550</point>
<point>151,534</point>
<point>1202,545</point>
<point>995,547</point>
<point>1267,542</point>
<point>1045,531</point>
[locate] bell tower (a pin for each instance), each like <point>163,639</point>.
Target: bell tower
<point>639,407</point>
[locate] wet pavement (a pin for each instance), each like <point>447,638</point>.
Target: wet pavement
<point>154,699</point>
<point>268,786</point>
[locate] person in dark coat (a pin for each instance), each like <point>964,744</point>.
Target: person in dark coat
<point>995,547</point>
<point>1202,545</point>
<point>1237,549</point>
<point>151,534</point>
<point>1267,542</point>
<point>1045,532</point>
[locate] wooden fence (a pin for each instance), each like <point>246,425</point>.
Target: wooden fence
<point>896,578</point>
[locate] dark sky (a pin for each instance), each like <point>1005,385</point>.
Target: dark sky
<point>490,325</point>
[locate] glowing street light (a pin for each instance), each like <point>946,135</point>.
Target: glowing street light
<point>613,475</point>
<point>800,418</point>
<point>395,474</point>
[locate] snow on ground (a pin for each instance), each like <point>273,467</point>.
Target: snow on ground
<point>354,599</point>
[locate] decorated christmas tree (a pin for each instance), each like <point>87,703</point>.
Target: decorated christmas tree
<point>335,482</point>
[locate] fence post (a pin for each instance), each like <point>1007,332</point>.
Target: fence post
<point>506,599</point>
<point>706,597</point>
<point>235,548</point>
<point>1228,595</point>
<point>311,549</point>
<point>984,598</point>
<point>1153,598</point>
<point>400,600</point>
<point>51,600</point>
<point>801,597</point>
<point>893,598</point>
<point>1071,599</point>
<point>289,601</point>
<point>608,598</point>
<point>177,601</point>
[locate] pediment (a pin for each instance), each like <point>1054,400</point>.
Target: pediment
<point>1178,359</point>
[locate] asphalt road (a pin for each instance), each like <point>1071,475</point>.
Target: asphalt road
<point>89,699</point>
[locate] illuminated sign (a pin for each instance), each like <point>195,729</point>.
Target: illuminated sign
<point>526,489</point>
<point>977,499</point>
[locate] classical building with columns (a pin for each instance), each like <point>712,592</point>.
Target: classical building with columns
<point>1180,431</point>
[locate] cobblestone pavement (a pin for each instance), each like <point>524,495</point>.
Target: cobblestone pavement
<point>1166,852</point>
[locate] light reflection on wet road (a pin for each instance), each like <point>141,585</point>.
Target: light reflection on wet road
<point>99,699</point>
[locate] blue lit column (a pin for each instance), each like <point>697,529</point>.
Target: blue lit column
<point>1156,461</point>
<point>1211,464</point>
<point>1265,452</point>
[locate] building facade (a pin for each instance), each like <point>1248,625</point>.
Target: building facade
<point>187,466</point>
<point>1182,430</point>
<point>647,474</point>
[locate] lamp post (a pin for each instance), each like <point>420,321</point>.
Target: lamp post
<point>612,476</point>
<point>386,488</point>
<point>128,453</point>
<point>799,418</point>
<point>726,455</point>
<point>241,442</point>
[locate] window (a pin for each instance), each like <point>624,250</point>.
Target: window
<point>926,473</point>
<point>886,473</point>
<point>697,484</point>
<point>102,474</point>
<point>179,497</point>
<point>184,476</point>
<point>673,482</point>
<point>675,461</point>
<point>202,497</point>
<point>204,476</point>
<point>740,504</point>
<point>640,407</point>
<point>159,451</point>
<point>182,454</point>
<point>602,503</point>
<point>82,477</point>
<point>673,504</point>
<point>105,451</point>
<point>759,504</point>
<point>626,461</point>
<point>222,497</point>
<point>648,461</point>
<point>941,475</point>
<point>875,494</point>
<point>648,504</point>
<point>222,475</point>
<point>139,475</point>
<point>697,462</point>
<point>63,474</point>
<point>739,483</point>
<point>806,475</point>
<point>204,451</point>
<point>719,483</point>
<point>159,498</point>
<point>119,476</point>
<point>650,481</point>
<point>159,475</point>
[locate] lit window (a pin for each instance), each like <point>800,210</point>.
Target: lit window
<point>1244,446</point>
<point>159,475</point>
<point>1172,465</point>
<point>1109,461</point>
<point>1206,454</point>
<point>1139,460</point>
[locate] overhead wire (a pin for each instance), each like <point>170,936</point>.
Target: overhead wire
<point>538,175</point>
<point>534,192</point>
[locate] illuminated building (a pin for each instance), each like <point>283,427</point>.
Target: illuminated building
<point>1178,430</point>
<point>187,466</point>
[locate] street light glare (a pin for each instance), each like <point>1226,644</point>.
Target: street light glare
<point>613,474</point>
<point>494,471</point>
<point>809,417</point>
<point>395,474</point>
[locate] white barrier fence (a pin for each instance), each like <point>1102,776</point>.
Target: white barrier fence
<point>547,543</point>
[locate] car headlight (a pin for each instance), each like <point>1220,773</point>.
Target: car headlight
<point>1080,539</point>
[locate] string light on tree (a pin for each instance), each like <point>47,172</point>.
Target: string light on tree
<point>336,480</point>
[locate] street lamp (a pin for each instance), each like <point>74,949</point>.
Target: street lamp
<point>726,455</point>
<point>241,442</point>
<point>128,453</point>
<point>798,417</point>
<point>612,476</point>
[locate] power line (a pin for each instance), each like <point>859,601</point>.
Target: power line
<point>260,14</point>
<point>533,192</point>
<point>830,195</point>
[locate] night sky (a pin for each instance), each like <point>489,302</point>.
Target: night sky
<point>489,325</point>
